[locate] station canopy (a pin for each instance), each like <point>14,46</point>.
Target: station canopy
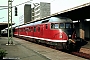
<point>80,12</point>
<point>4,25</point>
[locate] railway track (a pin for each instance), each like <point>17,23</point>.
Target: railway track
<point>81,54</point>
<point>84,52</point>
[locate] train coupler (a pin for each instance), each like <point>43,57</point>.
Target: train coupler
<point>72,41</point>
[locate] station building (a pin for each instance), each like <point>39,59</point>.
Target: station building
<point>40,10</point>
<point>27,13</point>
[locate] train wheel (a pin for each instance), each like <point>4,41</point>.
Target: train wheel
<point>59,46</point>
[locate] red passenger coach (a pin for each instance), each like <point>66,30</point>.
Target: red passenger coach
<point>16,32</point>
<point>56,31</point>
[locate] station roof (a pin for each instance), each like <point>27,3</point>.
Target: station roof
<point>4,25</point>
<point>80,12</point>
<point>76,13</point>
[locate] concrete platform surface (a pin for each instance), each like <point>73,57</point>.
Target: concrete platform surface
<point>25,50</point>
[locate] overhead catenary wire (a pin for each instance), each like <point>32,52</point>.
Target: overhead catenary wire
<point>16,5</point>
<point>20,4</point>
<point>3,8</point>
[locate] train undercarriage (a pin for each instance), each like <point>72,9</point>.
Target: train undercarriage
<point>69,45</point>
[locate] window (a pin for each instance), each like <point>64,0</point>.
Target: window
<point>56,26</point>
<point>68,25</point>
<point>62,25</point>
<point>52,25</point>
<point>27,29</point>
<point>30,29</point>
<point>46,26</point>
<point>34,29</point>
<point>38,29</point>
<point>24,29</point>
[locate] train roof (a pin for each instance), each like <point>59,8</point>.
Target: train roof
<point>59,20</point>
<point>48,20</point>
<point>31,24</point>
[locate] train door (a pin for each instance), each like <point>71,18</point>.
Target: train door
<point>41,30</point>
<point>34,32</point>
<point>38,29</point>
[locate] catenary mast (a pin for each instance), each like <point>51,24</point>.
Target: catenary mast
<point>10,31</point>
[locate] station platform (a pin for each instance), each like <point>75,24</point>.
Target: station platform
<point>86,48</point>
<point>25,50</point>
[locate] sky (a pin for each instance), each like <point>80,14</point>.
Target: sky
<point>56,6</point>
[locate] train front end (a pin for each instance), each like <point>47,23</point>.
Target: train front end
<point>63,30</point>
<point>65,33</point>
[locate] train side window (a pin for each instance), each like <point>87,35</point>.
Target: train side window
<point>46,26</point>
<point>52,25</point>
<point>29,29</point>
<point>38,29</point>
<point>56,26</point>
<point>62,25</point>
<point>34,29</point>
<point>24,29</point>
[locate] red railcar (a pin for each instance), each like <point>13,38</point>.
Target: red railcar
<point>56,31</point>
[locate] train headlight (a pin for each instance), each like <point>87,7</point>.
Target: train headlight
<point>69,35</point>
<point>60,36</point>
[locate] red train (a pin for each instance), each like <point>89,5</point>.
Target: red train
<point>56,31</point>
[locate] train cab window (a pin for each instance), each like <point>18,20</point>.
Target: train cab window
<point>56,26</point>
<point>68,25</point>
<point>52,25</point>
<point>62,25</point>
